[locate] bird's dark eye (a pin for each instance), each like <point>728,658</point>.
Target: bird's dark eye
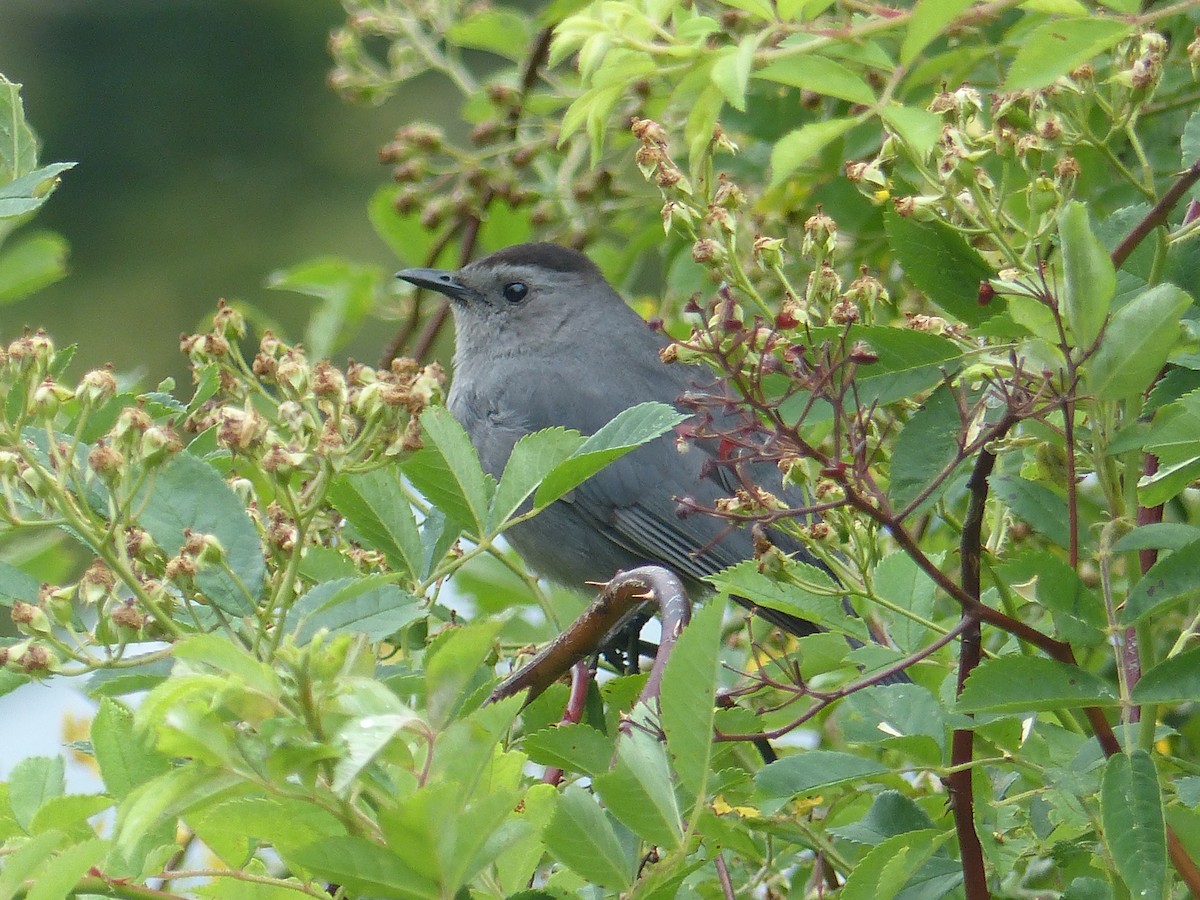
<point>514,292</point>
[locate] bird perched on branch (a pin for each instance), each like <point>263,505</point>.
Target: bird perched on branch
<point>543,340</point>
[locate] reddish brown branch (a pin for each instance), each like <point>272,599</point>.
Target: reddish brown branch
<point>1157,215</point>
<point>620,599</point>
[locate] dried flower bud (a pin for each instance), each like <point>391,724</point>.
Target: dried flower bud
<point>228,322</point>
<point>97,582</point>
<point>820,235</point>
<point>105,461</point>
<point>844,312</point>
<point>728,195</point>
<point>49,396</point>
<point>158,443</point>
<point>240,429</point>
<point>97,386</point>
<point>862,354</point>
<point>180,568</point>
<point>126,616</point>
<point>29,619</point>
<point>35,659</point>
<point>648,132</point>
<point>707,250</point>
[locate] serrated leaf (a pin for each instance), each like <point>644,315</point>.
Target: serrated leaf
<point>533,458</point>
<point>1030,683</point>
<point>447,471</point>
<point>371,605</point>
<point>69,814</point>
<point>929,19</point>
<point>1174,436</point>
<point>1168,481</point>
<point>1042,508</point>
<point>919,128</point>
<point>1157,536</point>
<point>891,813</point>
<point>1137,342</point>
<point>32,782</point>
<point>1174,680</point>
<point>1170,580</point>
<point>630,429</point>
<point>26,859</point>
<point>365,869</point>
<point>18,144</point>
<point>1089,279</point>
<point>820,75</point>
<point>190,495</point>
<point>797,148</point>
<point>1132,815</point>
<point>812,771</point>
<point>940,263</point>
<point>62,872</point>
<point>926,445</point>
<point>364,739</point>
<point>882,873</point>
<point>217,653</point>
<point>731,72</point>
<point>687,698</point>
<point>17,584</point>
<point>124,758</point>
<point>576,748</point>
<point>639,790</point>
<point>582,837</point>
<point>375,504</point>
<point>504,32</point>
<point>826,610</point>
<point>1056,47</point>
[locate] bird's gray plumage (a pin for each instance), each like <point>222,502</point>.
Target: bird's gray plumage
<point>571,353</point>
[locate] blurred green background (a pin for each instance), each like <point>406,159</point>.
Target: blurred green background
<point>210,153</point>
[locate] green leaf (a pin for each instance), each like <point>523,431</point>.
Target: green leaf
<point>1157,536</point>
<point>28,192</point>
<point>160,800</point>
<point>812,771</point>
<point>1169,481</point>
<point>116,682</point>
<point>18,144</point>
<point>374,503</point>
<point>370,605</point>
<point>1170,580</point>
<point>504,32</point>
<point>363,740</point>
<point>825,609</point>
<point>30,263</point>
<point>899,580</point>
<point>189,495</point>
<point>69,814</point>
<point>882,873</point>
<point>731,72</point>
<point>26,859</point>
<point>919,128</point>
<point>760,9</point>
<point>1042,508</point>
<point>929,19</point>
<point>1089,279</point>
<point>1132,815</point>
<point>581,836</point>
<point>124,757</point>
<point>926,445</point>
<point>797,148</point>
<point>941,264</point>
<point>533,458</point>
<point>1137,342</point>
<point>33,781</point>
<point>891,813</point>
<point>215,653</point>
<point>639,790</point>
<point>447,471</point>
<point>1189,144</point>
<point>364,869</point>
<point>17,584</point>
<point>456,667</point>
<point>1174,436</point>
<point>820,75</point>
<point>630,429</point>
<point>687,698</point>
<point>62,872</point>
<point>346,292</point>
<point>907,362</point>
<point>1056,47</point>
<point>576,748</point>
<point>1174,680</point>
<point>1029,683</point>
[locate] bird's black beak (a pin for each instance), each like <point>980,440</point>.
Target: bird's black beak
<point>438,280</point>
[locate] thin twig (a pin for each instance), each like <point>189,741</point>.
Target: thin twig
<point>1157,215</point>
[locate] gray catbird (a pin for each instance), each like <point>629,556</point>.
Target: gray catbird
<point>543,340</point>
